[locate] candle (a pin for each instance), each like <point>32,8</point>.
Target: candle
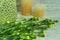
<point>26,7</point>
<point>39,10</point>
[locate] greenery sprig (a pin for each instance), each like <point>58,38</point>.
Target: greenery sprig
<point>27,29</point>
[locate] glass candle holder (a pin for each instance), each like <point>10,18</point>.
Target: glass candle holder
<point>39,10</point>
<point>26,7</point>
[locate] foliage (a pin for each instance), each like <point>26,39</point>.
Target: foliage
<point>27,29</point>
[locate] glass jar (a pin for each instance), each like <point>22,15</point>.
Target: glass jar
<point>26,7</point>
<point>38,10</point>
